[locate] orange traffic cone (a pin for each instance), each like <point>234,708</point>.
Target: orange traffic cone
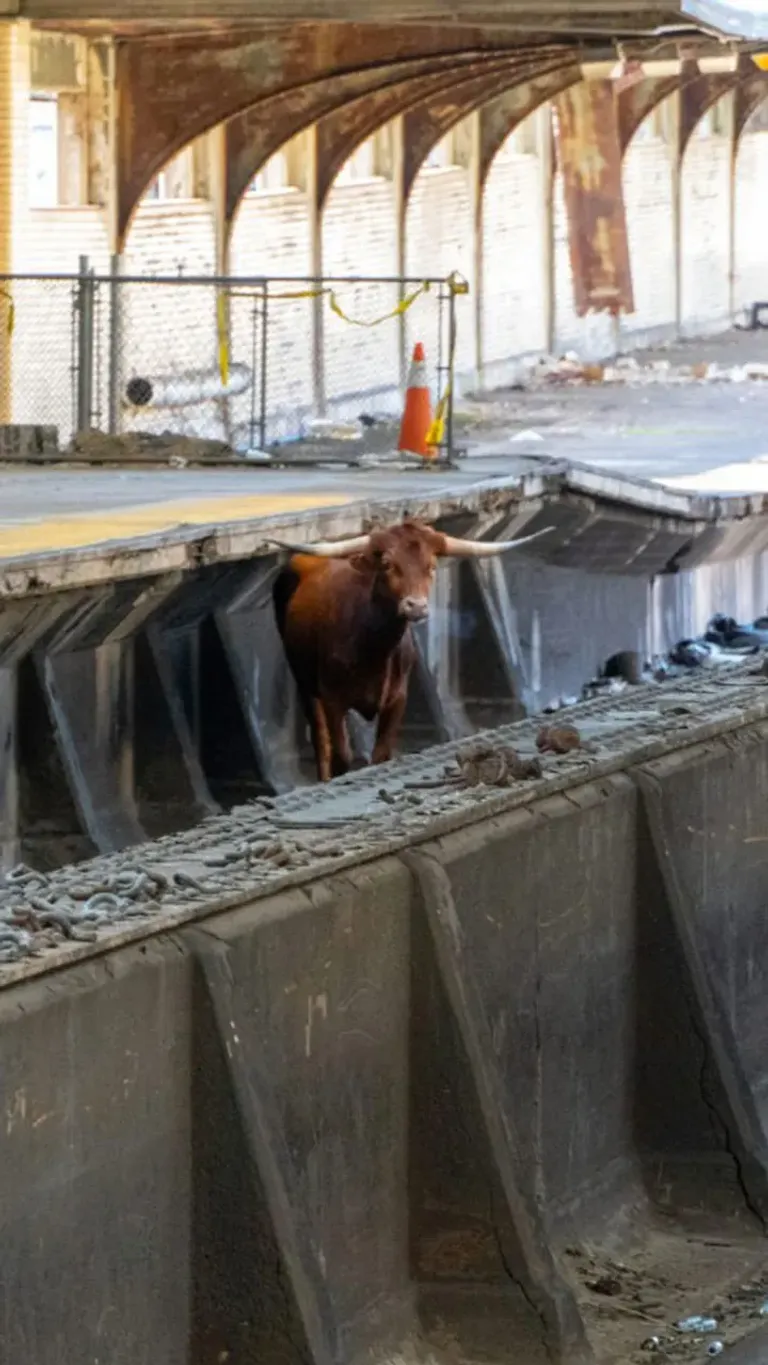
<point>417,413</point>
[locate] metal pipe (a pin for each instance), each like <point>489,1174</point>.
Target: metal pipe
<point>180,391</point>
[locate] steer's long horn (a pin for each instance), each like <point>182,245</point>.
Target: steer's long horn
<point>324,549</point>
<point>483,549</point>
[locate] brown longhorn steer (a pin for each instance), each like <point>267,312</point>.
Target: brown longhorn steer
<point>344,611</point>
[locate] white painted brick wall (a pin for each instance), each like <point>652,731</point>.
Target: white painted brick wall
<point>514,263</point>
<point>438,241</point>
<point>750,219</point>
<point>359,238</point>
<point>704,233</point>
<point>648,197</point>
<point>58,237</point>
<point>175,327</point>
<point>271,237</point>
<point>53,241</point>
<point>168,331</point>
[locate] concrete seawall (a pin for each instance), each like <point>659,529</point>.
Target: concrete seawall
<point>449,1055</point>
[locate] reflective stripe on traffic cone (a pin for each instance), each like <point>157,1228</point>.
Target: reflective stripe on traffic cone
<point>417,413</point>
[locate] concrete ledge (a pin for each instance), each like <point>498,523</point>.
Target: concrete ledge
<point>610,506</point>
<point>373,1113</point>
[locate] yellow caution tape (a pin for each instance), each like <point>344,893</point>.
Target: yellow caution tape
<point>454,282</point>
<point>335,306</point>
<point>436,432</point>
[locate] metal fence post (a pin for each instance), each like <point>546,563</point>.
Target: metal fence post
<point>264,364</point>
<point>84,304</point>
<point>115,345</point>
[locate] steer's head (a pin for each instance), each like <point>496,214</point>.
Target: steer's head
<point>402,559</point>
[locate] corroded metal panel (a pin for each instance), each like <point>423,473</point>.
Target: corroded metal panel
<point>749,95</point>
<point>256,134</point>
<point>339,133</point>
<point>425,126</point>
<point>697,96</point>
<point>589,156</point>
<point>501,115</point>
<point>637,101</point>
<point>173,89</point>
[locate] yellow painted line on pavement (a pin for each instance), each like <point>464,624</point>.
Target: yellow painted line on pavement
<point>94,528</point>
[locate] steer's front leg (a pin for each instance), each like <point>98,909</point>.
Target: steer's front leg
<point>388,727</point>
<point>341,752</point>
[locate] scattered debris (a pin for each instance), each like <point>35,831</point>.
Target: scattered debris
<point>494,766</point>
<point>651,1344</point>
<point>609,1285</point>
<point>143,447</point>
<point>570,370</point>
<point>558,739</point>
<point>528,435</point>
<point>724,643</point>
<point>697,1324</point>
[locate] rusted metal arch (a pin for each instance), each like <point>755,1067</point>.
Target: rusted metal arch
<point>697,97</point>
<point>253,136</point>
<point>750,93</point>
<point>340,133</point>
<point>256,135</point>
<point>639,101</point>
<point>501,115</point>
<point>172,90</point>
<point>425,126</point>
<point>441,111</point>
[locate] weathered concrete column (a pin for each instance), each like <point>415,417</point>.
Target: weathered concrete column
<point>14,97</point>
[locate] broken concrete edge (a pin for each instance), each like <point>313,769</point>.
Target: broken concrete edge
<point>189,547</point>
<point>744,705</point>
<point>750,1350</point>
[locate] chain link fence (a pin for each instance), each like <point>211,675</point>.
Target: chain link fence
<point>253,362</point>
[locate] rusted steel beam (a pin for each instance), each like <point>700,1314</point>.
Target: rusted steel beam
<point>638,101</point>
<point>697,96</point>
<point>749,95</point>
<point>425,126</point>
<point>501,115</point>
<point>339,135</point>
<point>256,134</point>
<point>589,156</point>
<point>171,90</point>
